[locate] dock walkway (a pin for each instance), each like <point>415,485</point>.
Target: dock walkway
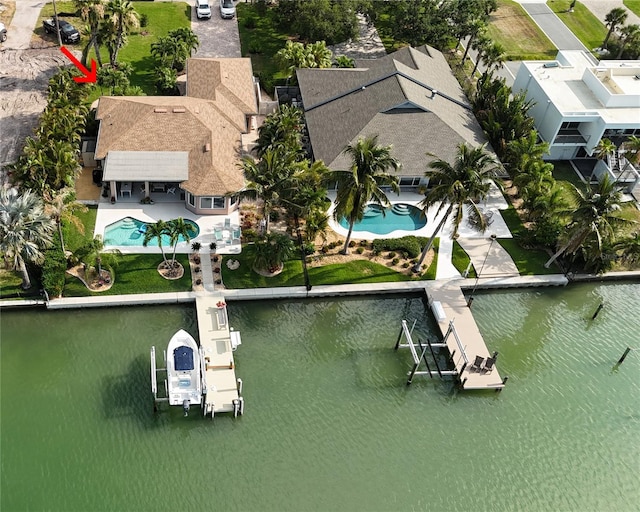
<point>467,343</point>
<point>221,386</point>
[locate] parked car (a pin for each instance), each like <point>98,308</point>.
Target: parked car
<point>227,9</point>
<point>202,9</point>
<point>68,32</point>
<point>3,33</point>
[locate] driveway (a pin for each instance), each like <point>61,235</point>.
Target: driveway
<point>602,7</point>
<point>218,37</point>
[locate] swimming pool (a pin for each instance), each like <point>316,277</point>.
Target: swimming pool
<point>130,232</point>
<point>399,216</point>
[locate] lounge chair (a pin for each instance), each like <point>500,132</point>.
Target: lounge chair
<point>227,223</point>
<point>477,364</point>
<point>488,365</point>
<point>218,234</point>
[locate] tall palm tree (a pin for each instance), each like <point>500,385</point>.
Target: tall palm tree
<point>156,230</point>
<point>481,44</point>
<point>493,56</point>
<point>363,181</point>
<point>281,128</point>
<point>614,18</point>
<point>177,228</point>
<point>595,220</point>
<point>123,17</point>
<point>629,36</point>
<point>632,148</point>
<point>92,11</point>
<point>523,149</point>
<point>459,186</point>
<point>25,231</point>
<point>62,207</point>
<point>604,149</point>
<point>477,27</point>
<point>267,178</point>
<point>93,254</point>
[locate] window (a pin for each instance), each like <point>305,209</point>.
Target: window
<point>192,200</point>
<point>570,126</point>
<point>233,200</point>
<point>409,181</point>
<point>212,203</point>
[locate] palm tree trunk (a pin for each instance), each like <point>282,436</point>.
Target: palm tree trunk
<point>61,237</point>
<point>26,280</point>
<point>425,251</point>
<point>475,67</point>
<point>606,39</point>
<point>555,256</point>
<point>468,47</point>
<point>345,249</point>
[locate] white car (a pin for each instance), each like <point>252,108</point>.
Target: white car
<point>227,9</point>
<point>202,9</point>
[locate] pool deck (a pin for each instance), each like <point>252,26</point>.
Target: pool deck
<point>109,213</point>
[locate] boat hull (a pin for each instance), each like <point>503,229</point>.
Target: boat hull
<point>183,370</point>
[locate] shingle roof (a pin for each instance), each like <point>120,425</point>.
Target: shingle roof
<point>391,97</point>
<point>214,117</point>
<point>175,123</point>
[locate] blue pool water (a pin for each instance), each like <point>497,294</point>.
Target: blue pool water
<point>130,232</point>
<point>399,216</point>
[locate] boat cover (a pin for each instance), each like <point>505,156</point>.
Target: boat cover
<point>183,358</point>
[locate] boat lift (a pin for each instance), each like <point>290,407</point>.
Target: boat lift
<point>154,379</point>
<point>419,353</point>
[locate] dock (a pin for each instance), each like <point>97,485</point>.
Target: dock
<point>222,391</point>
<point>462,337</point>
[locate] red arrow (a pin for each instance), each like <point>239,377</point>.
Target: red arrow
<point>89,76</point>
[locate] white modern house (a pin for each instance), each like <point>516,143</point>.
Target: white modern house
<point>578,103</point>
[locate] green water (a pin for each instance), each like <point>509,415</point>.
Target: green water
<point>329,424</point>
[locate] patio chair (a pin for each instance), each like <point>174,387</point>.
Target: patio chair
<point>171,190</point>
<point>227,223</point>
<point>488,365</point>
<point>477,364</point>
<point>217,233</point>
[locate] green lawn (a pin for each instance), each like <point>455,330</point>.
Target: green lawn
<point>529,261</point>
<point>461,260</point>
<point>261,42</point>
<point>582,22</point>
<point>522,39</point>
<point>633,5</point>
<point>563,171</point>
<point>73,238</point>
<point>10,282</point>
<point>163,17</point>
<point>136,273</point>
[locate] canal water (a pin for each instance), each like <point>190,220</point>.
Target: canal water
<point>329,423</point>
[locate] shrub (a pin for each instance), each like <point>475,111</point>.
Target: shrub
<point>391,255</point>
<point>144,20</point>
<point>309,248</point>
<point>325,249</point>
<point>196,246</point>
<point>364,243</point>
<point>395,261</point>
<point>218,281</point>
<point>250,23</point>
<point>410,245</point>
<point>198,281</point>
<point>256,49</point>
<point>250,235</point>
<point>406,264</point>
<point>197,269</point>
<point>216,270</point>
<point>360,250</point>
<point>352,243</point>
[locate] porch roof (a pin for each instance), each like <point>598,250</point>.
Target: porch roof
<point>146,166</point>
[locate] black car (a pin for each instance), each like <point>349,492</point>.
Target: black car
<point>68,32</point>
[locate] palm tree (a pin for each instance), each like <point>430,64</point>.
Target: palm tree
<point>632,147</point>
<point>25,230</point>
<point>477,27</point>
<point>272,251</point>
<point>175,48</point>
<point>362,182</point>
<point>481,45</point>
<point>603,151</point>
<point>93,254</point>
<point>457,186</point>
<point>62,207</point>
<point>267,178</point>
<point>281,128</point>
<point>92,11</point>
<point>594,220</point>
<point>177,228</point>
<point>342,61</point>
<point>523,149</point>
<point>629,36</point>
<point>613,19</point>
<point>493,56</point>
<point>156,230</point>
<point>123,18</point>
<point>534,180</point>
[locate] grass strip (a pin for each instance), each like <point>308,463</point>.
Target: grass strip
<point>633,6</point>
<point>582,22</point>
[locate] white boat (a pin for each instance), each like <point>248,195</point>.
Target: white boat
<point>183,371</point>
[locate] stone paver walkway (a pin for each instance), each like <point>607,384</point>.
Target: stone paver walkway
<point>488,257</point>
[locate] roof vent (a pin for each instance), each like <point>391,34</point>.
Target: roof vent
<point>207,147</point>
<point>179,110</point>
<point>158,110</point>
<point>552,64</point>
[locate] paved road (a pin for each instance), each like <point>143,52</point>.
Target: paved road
<point>553,27</point>
<point>218,37</point>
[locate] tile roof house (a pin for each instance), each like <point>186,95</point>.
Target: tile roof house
<point>409,98</point>
<point>157,144</point>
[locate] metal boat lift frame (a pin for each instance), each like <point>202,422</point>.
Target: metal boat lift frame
<point>419,353</point>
